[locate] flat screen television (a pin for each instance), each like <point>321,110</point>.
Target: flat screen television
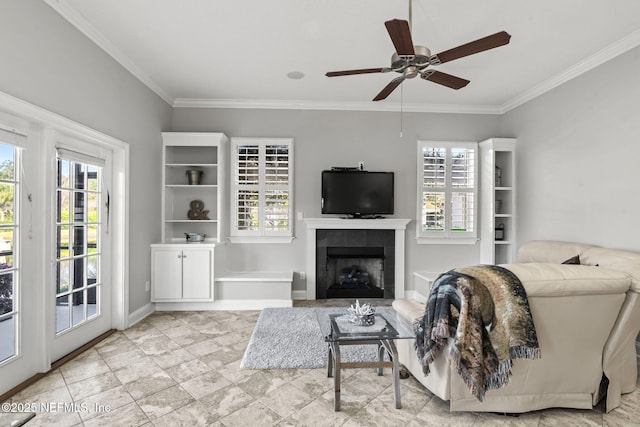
<point>357,193</point>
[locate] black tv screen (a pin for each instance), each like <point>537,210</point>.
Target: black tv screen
<point>357,193</point>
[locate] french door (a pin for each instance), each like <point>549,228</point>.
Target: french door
<point>80,275</point>
<point>63,217</point>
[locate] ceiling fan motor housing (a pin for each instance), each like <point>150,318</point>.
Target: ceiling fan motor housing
<point>420,59</point>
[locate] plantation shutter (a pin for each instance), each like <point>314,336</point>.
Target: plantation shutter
<point>247,175</point>
<point>276,188</point>
<point>447,191</point>
<point>262,188</point>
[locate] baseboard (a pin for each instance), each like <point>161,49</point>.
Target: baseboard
<point>298,295</point>
<point>227,304</point>
<point>140,314</point>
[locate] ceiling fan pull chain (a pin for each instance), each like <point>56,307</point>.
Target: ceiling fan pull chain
<point>401,110</point>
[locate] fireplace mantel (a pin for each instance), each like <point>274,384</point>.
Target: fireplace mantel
<point>357,224</point>
<point>397,224</point>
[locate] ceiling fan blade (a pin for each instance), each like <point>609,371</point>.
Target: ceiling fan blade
<point>445,79</point>
<point>400,34</point>
<point>361,71</point>
<point>389,88</point>
<point>480,45</point>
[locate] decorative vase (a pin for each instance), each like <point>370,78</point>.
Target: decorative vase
<point>194,177</point>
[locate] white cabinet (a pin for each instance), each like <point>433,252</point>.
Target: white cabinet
<point>181,273</point>
<point>205,154</point>
<point>498,201</point>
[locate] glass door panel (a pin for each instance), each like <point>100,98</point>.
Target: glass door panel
<point>79,223</point>
<point>9,278</point>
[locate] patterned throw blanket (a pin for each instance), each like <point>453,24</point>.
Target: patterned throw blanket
<point>485,310</point>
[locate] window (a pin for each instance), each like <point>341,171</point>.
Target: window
<point>9,278</point>
<point>447,192</point>
<point>262,196</point>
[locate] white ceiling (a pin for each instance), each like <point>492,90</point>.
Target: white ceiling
<point>237,53</point>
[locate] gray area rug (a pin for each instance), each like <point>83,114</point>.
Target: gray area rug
<point>288,338</point>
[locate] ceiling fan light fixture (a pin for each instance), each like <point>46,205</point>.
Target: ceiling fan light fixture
<point>411,72</point>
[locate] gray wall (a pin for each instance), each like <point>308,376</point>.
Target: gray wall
<point>338,138</point>
<point>577,144</point>
<point>578,154</point>
<point>48,63</point>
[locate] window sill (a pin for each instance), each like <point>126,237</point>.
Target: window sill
<point>260,239</point>
<point>446,241</point>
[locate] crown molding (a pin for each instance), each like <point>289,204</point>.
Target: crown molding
<point>617,48</point>
<point>608,53</point>
<point>78,21</point>
<point>395,107</point>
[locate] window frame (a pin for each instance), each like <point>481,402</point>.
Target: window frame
<point>261,235</point>
<point>447,236</point>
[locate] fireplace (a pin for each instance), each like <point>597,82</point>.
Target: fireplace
<point>321,232</point>
<point>355,264</point>
<point>355,272</point>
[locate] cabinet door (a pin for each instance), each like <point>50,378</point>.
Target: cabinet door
<point>196,274</point>
<point>167,274</point>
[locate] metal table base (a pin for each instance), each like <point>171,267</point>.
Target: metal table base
<point>335,364</point>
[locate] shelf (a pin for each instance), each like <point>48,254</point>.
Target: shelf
<point>191,165</point>
<point>498,200</point>
<point>191,186</point>
<point>194,221</point>
<point>205,152</point>
<point>181,240</point>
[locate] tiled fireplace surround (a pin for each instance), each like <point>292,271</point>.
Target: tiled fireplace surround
<point>385,235</point>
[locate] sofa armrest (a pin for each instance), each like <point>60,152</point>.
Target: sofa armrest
<point>409,309</point>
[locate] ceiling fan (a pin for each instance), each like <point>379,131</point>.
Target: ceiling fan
<point>410,61</point>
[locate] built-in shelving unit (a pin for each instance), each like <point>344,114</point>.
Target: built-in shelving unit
<point>200,151</point>
<point>498,201</point>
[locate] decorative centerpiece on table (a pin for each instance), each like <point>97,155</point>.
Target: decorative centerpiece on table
<point>361,315</point>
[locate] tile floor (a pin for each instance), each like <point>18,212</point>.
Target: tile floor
<point>182,369</point>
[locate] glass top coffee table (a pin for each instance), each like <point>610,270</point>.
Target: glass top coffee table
<point>338,331</point>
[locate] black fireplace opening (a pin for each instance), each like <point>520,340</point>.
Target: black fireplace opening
<point>355,272</point>
<point>355,264</point>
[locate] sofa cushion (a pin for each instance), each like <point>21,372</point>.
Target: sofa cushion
<point>550,279</point>
<point>616,259</point>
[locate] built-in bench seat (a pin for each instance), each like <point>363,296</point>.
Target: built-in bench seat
<point>258,289</point>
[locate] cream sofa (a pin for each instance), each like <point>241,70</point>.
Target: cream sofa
<point>587,318</point>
